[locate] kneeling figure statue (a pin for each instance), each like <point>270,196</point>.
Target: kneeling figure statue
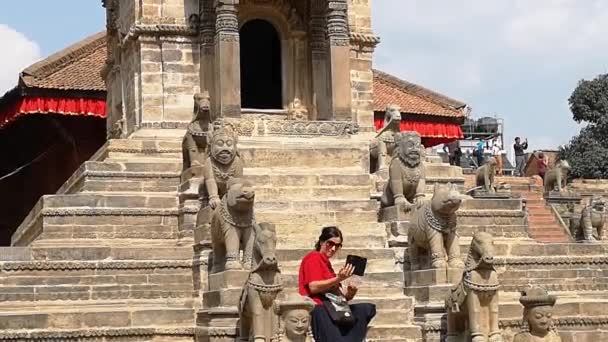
<point>473,303</point>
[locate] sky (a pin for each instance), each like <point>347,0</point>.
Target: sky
<point>514,59</point>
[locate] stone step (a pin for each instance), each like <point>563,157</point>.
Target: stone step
<point>269,193</point>
<point>387,332</point>
<point>109,200</point>
<point>299,239</point>
<point>97,317</point>
<point>317,205</point>
<point>304,154</point>
<point>67,252</point>
<point>318,218</point>
<point>380,280</point>
<point>296,254</point>
<point>373,265</point>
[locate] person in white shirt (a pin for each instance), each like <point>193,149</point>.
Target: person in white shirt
<point>497,154</point>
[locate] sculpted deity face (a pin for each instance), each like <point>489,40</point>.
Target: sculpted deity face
<point>296,324</point>
<point>409,148</point>
<point>539,319</point>
<point>223,148</point>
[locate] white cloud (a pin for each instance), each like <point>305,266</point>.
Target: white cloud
<point>18,53</point>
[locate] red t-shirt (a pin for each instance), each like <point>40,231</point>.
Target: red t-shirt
<point>315,266</point>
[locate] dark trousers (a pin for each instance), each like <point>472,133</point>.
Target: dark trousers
<point>324,329</point>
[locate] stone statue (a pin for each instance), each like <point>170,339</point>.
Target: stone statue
<point>406,182</point>
<point>297,111</point>
<point>232,227</point>
<point>194,144</point>
<point>382,147</point>
<point>257,317</point>
<point>538,309</point>
<point>473,304</point>
<point>593,217</point>
<point>484,176</point>
<point>222,164</point>
<point>557,177</point>
<point>433,229</point>
<point>294,312</point>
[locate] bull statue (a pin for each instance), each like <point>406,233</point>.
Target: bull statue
<point>473,304</point>
<point>257,313</point>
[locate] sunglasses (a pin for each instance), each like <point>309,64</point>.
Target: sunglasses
<point>332,244</point>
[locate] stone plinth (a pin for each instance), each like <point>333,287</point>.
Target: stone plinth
<point>555,197</point>
<point>500,194</point>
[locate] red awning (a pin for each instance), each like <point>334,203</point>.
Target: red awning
<point>432,133</point>
<point>52,105</point>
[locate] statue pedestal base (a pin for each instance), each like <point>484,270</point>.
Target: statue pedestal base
<point>499,194</point>
<point>394,213</point>
<point>431,285</point>
<point>556,197</point>
<point>218,320</point>
<point>189,205</point>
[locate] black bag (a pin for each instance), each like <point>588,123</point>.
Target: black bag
<point>338,309</point>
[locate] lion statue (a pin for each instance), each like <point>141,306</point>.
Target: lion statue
<point>472,305</point>
<point>484,176</point>
<point>406,181</point>
<point>433,229</point>
<point>557,177</point>
<point>381,149</point>
<point>592,218</point>
<point>232,227</point>
<point>195,143</point>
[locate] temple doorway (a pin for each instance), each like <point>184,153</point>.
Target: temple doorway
<point>261,79</point>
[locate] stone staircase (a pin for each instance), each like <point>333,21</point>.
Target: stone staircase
<point>105,259</point>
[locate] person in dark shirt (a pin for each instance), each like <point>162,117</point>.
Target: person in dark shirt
<point>520,156</point>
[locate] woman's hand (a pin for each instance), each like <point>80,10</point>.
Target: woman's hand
<point>345,272</point>
<point>351,291</point>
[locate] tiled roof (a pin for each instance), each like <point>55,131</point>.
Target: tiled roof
<point>77,67</point>
<point>412,98</point>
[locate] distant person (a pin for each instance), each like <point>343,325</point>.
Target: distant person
<point>479,151</point>
<point>542,164</point>
<point>450,149</point>
<point>520,156</point>
<point>497,154</point>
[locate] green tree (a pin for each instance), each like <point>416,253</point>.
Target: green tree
<point>587,152</point>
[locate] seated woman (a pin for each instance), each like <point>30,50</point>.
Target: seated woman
<point>318,278</point>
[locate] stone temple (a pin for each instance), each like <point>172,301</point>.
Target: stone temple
<point>122,251</point>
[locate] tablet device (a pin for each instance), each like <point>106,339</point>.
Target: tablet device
<point>358,262</point>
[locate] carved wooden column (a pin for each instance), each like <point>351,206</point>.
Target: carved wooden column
<point>339,59</point>
<point>227,58</point>
<point>207,35</point>
<point>320,98</point>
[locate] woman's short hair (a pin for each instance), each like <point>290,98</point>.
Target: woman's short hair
<point>327,233</point>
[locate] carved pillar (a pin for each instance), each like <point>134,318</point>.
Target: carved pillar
<point>339,59</point>
<point>207,35</point>
<point>227,58</point>
<point>320,97</point>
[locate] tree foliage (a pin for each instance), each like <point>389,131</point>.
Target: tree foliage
<point>587,152</point>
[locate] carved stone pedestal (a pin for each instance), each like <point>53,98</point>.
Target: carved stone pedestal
<point>432,285</point>
<point>499,194</point>
<point>218,320</point>
<point>556,197</point>
<point>189,205</point>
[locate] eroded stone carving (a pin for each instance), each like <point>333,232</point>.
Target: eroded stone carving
<point>258,319</point>
<point>294,312</point>
<point>538,312</point>
<point>222,164</point>
<point>297,111</point>
<point>382,147</point>
<point>592,219</point>
<point>195,143</point>
<point>484,176</point>
<point>232,227</point>
<point>406,182</point>
<point>557,177</point>
<point>433,230</point>
<point>473,304</point>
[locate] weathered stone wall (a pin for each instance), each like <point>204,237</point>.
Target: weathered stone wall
<point>362,47</point>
